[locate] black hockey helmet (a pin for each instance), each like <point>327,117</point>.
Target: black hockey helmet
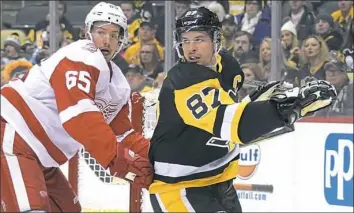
<point>198,19</point>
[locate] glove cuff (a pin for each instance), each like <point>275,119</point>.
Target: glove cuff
<point>288,112</point>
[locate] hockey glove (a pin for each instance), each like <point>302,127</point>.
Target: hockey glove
<point>264,92</point>
<point>131,167</point>
<point>300,102</point>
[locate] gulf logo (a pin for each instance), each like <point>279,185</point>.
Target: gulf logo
<point>250,157</point>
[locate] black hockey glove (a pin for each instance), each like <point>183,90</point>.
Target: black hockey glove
<point>300,102</point>
<point>264,92</point>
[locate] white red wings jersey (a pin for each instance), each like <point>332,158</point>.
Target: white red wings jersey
<point>58,108</point>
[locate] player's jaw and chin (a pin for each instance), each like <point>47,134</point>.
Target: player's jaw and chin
<point>199,51</point>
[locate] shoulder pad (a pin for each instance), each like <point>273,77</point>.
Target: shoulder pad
<point>231,71</point>
<point>183,75</point>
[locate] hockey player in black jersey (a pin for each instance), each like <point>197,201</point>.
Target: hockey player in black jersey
<point>195,146</point>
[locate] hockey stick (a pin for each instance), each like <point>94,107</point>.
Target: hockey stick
<point>273,134</point>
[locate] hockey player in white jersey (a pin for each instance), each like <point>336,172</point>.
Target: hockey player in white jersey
<point>75,98</point>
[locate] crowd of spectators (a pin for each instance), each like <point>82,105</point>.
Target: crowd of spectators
<point>316,42</point>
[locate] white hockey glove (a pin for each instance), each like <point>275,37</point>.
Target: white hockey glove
<point>300,102</point>
<point>264,92</point>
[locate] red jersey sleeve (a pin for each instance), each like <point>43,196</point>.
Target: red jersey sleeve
<point>74,84</point>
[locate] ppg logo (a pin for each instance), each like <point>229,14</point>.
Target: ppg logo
<point>338,169</point>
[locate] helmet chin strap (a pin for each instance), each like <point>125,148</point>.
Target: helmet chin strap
<point>216,52</point>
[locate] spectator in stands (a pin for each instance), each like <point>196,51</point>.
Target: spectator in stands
<point>43,41</point>
<point>120,61</point>
<point>313,56</point>
<point>128,8</point>
<point>254,21</point>
<point>228,31</point>
<point>15,69</point>
<point>242,44</point>
<point>289,44</point>
<point>181,6</point>
<point>11,51</point>
<point>265,55</point>
<point>236,7</point>
<point>144,9</point>
<point>252,72</point>
<point>213,6</point>
<point>137,80</point>
<point>63,21</point>
<point>348,54</point>
<point>337,76</point>
<point>133,20</point>
<point>2,81</point>
<point>302,18</point>
<point>159,80</point>
<point>325,28</point>
<point>348,37</point>
<point>150,60</point>
<point>146,35</point>
<point>41,55</point>
<point>344,15</point>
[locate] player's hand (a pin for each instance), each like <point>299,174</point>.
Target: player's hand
<point>264,92</point>
<point>300,102</point>
<point>131,167</point>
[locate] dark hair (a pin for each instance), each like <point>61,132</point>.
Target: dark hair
<point>243,33</point>
<point>133,68</point>
<point>259,3</point>
<point>64,5</point>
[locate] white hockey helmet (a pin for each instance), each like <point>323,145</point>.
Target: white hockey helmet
<point>110,13</point>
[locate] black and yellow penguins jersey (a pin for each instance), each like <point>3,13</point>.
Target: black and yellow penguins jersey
<point>196,141</point>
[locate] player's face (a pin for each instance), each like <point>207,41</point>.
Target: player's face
<point>106,38</point>
<point>198,48</point>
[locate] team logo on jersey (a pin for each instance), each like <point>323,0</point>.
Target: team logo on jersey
<point>107,108</point>
<point>90,47</point>
<point>43,193</point>
<point>249,159</point>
